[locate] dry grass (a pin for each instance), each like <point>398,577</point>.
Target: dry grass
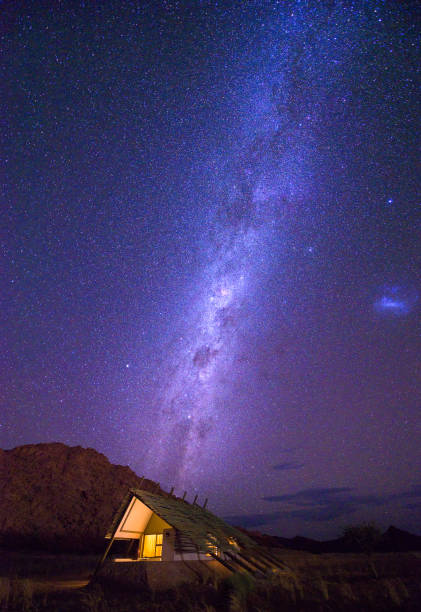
<point>16,594</point>
<point>26,594</point>
<point>314,583</point>
<point>5,592</point>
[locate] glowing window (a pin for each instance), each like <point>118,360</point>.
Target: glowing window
<point>212,547</point>
<point>152,545</point>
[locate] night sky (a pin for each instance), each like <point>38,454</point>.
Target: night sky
<point>211,262</point>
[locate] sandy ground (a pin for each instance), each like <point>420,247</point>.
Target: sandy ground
<point>57,584</point>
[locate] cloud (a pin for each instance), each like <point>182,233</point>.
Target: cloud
<point>411,498</point>
<point>324,504</point>
<point>414,506</point>
<point>321,504</point>
<point>291,465</point>
<point>396,300</point>
<point>320,514</point>
<point>412,493</point>
<point>315,496</point>
<point>253,520</point>
<point>288,451</point>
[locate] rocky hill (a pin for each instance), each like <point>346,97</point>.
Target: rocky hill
<point>57,497</point>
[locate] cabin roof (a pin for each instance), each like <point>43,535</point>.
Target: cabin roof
<point>200,525</point>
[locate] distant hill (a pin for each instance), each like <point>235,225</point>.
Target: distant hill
<point>57,497</point>
<point>393,540</point>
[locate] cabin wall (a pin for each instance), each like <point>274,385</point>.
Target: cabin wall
<point>156,525</point>
<point>168,545</point>
<point>134,521</point>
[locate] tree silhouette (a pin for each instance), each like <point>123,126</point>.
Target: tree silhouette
<point>364,537</point>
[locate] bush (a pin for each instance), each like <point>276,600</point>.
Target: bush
<point>364,537</point>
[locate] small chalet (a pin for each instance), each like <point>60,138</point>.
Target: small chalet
<point>151,527</point>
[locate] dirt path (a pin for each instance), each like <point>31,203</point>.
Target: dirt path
<point>59,584</point>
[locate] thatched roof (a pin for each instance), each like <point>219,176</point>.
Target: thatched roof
<point>197,523</point>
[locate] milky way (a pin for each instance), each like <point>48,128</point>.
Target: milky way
<point>270,175</point>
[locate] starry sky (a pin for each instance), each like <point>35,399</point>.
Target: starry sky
<point>211,265</point>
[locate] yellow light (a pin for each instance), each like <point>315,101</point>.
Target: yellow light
<point>152,545</point>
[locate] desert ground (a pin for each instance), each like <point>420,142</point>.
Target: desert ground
<point>33,581</point>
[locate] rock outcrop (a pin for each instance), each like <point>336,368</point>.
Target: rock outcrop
<point>57,497</point>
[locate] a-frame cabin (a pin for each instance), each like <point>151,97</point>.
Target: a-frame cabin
<point>150,527</point>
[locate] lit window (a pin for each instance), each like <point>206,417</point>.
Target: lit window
<point>212,547</point>
<point>152,545</point>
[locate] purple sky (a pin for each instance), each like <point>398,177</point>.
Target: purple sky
<point>211,250</point>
